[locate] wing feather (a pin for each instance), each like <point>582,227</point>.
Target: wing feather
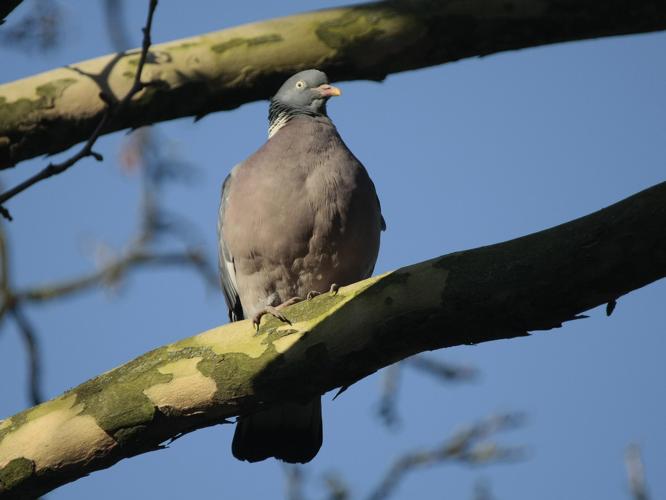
<point>226,260</point>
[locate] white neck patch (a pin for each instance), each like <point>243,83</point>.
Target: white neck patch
<point>278,123</point>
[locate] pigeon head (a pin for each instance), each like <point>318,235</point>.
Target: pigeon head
<point>306,92</point>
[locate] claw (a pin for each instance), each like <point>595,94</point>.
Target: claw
<point>291,301</point>
<point>333,291</point>
<point>273,311</point>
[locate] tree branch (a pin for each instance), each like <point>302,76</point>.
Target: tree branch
<point>222,70</point>
<point>501,291</point>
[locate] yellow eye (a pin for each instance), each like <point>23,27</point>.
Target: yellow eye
<point>300,84</point>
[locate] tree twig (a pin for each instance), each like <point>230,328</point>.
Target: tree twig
<point>293,481</point>
<point>482,490</point>
<point>34,357</point>
<point>447,372</point>
<point>115,270</point>
<point>467,446</point>
<point>444,371</point>
<point>337,489</point>
<point>387,407</point>
<point>112,109</point>
<point>636,472</point>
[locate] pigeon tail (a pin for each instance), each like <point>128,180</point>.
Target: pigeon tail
<point>291,432</point>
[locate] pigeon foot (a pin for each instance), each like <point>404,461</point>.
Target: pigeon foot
<point>273,311</point>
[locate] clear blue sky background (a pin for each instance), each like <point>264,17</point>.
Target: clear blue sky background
<point>464,154</point>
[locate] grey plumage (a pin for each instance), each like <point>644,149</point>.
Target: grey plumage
<point>298,215</point>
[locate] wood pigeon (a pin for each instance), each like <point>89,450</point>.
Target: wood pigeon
<point>299,217</point>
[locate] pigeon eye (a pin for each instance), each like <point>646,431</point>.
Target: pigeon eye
<point>300,84</point>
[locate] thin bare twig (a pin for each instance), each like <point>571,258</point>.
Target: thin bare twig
<point>114,15</point>
<point>34,357</point>
<point>5,289</point>
<point>9,305</point>
<point>294,482</point>
<point>337,488</point>
<point>115,270</point>
<point>467,446</point>
<point>444,371</point>
<point>636,472</point>
<point>387,408</point>
<point>482,490</point>
<point>112,109</point>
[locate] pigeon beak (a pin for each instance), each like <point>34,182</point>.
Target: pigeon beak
<point>328,90</point>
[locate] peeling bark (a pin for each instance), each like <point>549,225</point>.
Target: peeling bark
<point>501,291</point>
<point>222,70</point>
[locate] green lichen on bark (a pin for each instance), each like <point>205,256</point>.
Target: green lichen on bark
<point>15,472</point>
<point>52,90</point>
<point>353,25</point>
<point>232,372</point>
<point>15,112</point>
<point>116,399</point>
<point>17,421</point>
<point>184,45</point>
<point>318,306</point>
<point>220,48</point>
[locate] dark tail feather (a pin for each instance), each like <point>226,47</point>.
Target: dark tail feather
<point>290,431</point>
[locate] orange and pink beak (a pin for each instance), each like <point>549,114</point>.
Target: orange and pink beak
<point>327,90</point>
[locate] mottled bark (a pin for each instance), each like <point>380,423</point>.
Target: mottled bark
<point>51,111</point>
<point>496,292</point>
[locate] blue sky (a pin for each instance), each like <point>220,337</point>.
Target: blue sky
<point>463,154</point>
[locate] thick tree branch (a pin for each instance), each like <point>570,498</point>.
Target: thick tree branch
<point>501,291</point>
<point>224,69</point>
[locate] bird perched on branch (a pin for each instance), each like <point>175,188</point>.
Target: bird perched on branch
<point>297,218</point>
